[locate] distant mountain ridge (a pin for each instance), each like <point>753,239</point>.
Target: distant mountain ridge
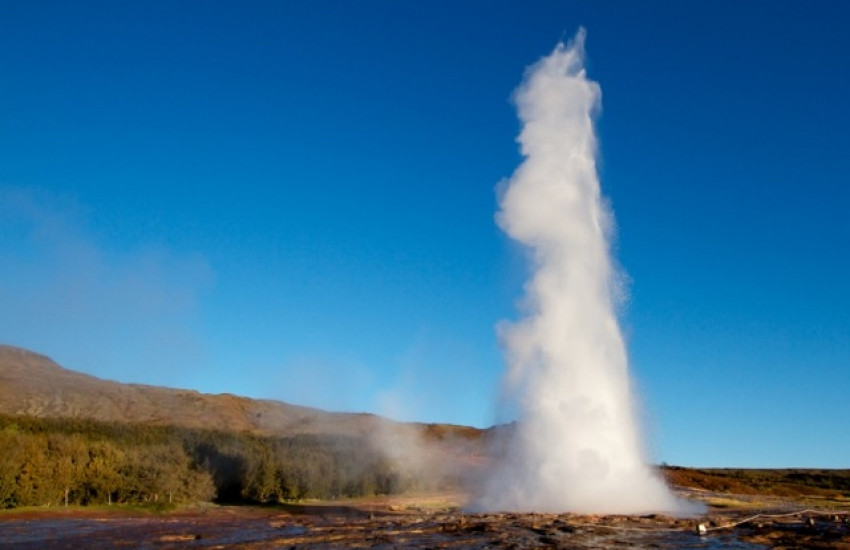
<point>33,384</point>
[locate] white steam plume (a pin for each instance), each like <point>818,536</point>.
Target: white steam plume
<point>576,446</point>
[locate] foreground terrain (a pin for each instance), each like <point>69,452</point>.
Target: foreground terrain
<point>734,521</point>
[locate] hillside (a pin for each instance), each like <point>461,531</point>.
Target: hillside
<point>34,385</point>
<point>193,446</point>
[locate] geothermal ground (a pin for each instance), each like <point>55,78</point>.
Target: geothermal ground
<point>434,521</point>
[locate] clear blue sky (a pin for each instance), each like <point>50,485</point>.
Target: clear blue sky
<point>295,199</point>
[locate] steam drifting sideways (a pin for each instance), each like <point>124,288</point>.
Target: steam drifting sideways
<point>576,446</point>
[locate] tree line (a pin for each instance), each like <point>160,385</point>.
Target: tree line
<point>46,462</point>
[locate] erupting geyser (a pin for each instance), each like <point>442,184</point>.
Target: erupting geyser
<point>577,444</point>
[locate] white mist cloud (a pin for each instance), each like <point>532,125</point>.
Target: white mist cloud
<point>577,446</point>
<point>126,314</point>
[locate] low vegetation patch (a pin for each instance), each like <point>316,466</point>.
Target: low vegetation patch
<point>50,462</point>
<point>792,483</point>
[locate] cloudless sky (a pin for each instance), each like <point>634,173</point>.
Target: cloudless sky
<point>294,200</point>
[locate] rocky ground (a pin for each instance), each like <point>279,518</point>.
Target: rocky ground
<point>431,522</point>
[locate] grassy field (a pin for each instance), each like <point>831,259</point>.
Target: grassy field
<point>794,483</point>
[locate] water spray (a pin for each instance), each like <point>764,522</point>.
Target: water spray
<point>577,445</point>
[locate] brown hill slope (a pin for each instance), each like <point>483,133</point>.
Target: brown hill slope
<point>32,384</point>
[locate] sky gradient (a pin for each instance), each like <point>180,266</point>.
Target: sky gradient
<point>295,200</point>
